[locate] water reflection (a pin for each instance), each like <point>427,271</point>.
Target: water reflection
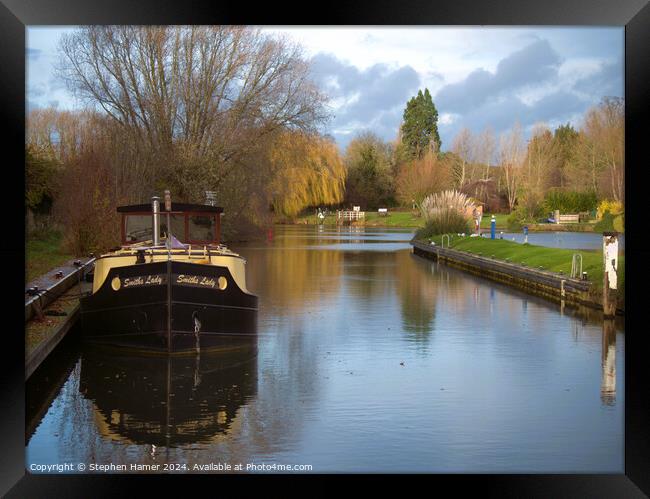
<point>355,338</point>
<point>167,401</point>
<point>417,290</point>
<point>608,361</point>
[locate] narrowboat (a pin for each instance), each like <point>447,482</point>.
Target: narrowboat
<point>171,287</point>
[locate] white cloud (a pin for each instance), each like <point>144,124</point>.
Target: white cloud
<point>373,70</point>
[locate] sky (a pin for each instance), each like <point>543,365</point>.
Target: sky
<point>478,76</point>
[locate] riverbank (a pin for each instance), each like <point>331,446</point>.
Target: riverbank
<point>394,219</point>
<point>411,219</point>
<point>43,253</point>
<point>552,263</point>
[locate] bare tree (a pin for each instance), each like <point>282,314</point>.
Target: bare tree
<point>598,159</point>
<point>422,177</point>
<point>604,126</point>
<point>463,146</point>
<point>484,146</point>
<point>541,159</point>
<point>511,151</point>
<point>198,95</point>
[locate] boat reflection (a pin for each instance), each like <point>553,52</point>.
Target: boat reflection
<point>168,401</point>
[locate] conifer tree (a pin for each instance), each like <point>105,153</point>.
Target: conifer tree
<point>420,126</point>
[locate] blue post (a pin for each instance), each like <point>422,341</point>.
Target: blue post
<point>493,227</point>
<point>525,233</point>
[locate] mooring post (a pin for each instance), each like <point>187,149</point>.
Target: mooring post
<point>610,262</point>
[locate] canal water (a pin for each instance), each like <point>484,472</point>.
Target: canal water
<point>368,359</point>
<point>567,240</point>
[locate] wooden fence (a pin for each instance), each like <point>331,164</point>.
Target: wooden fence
<point>349,216</point>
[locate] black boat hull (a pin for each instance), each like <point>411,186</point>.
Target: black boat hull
<point>169,307</point>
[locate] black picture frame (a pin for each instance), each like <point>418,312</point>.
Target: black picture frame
<point>15,15</point>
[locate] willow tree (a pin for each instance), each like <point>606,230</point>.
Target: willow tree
<point>198,101</point>
<point>307,171</point>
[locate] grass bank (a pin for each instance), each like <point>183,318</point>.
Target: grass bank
<point>550,259</point>
<point>501,219</point>
<point>408,219</point>
<point>44,252</point>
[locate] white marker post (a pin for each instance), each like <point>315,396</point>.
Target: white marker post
<point>610,281</point>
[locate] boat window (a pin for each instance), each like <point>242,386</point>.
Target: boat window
<point>177,223</point>
<point>138,228</point>
<point>202,228</point>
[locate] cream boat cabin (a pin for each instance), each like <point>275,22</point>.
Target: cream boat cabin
<point>171,286</point>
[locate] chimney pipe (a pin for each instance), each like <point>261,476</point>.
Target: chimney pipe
<point>155,208</point>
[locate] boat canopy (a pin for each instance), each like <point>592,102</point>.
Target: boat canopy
<point>190,223</point>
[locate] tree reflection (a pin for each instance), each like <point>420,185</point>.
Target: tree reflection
<point>418,292</point>
<point>369,274</point>
<point>289,273</point>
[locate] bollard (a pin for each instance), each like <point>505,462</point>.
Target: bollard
<point>493,227</point>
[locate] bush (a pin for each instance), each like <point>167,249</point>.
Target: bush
<point>606,223</point>
<point>518,217</point>
<point>610,222</point>
<point>86,205</point>
<point>450,222</point>
<point>619,223</point>
<point>606,205</point>
<point>569,201</point>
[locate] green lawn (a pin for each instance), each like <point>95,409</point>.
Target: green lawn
<point>44,252</point>
<point>551,259</point>
<point>501,218</point>
<point>394,219</point>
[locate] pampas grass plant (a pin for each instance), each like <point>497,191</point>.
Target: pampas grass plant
<point>445,212</point>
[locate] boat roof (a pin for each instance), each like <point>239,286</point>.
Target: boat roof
<point>134,208</point>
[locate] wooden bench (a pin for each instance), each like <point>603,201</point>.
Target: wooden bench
<point>568,219</point>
